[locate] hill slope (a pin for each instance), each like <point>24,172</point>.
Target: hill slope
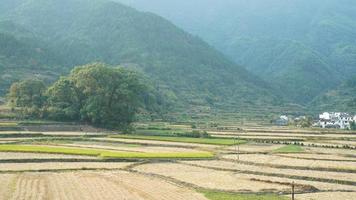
<point>83,31</point>
<point>255,33</point>
<point>341,99</point>
<point>24,58</point>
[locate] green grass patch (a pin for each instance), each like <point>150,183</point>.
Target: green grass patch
<point>21,135</point>
<point>212,140</point>
<point>289,149</point>
<point>231,196</point>
<point>38,123</point>
<point>103,153</point>
<point>157,132</point>
<point>8,124</point>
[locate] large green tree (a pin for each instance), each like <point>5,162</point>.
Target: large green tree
<point>27,93</point>
<point>99,94</point>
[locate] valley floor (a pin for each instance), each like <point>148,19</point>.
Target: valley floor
<point>98,165</point>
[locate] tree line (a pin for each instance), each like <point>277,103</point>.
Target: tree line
<point>97,94</point>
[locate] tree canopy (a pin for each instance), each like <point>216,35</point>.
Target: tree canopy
<point>97,94</point>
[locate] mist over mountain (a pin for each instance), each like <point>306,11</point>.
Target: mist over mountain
<point>184,67</point>
<point>305,48</point>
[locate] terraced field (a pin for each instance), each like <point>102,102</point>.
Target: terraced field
<point>78,165</point>
<point>93,185</point>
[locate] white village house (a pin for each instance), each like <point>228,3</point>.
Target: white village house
<point>335,120</point>
<point>283,120</point>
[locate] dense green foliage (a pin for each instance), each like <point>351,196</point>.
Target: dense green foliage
<point>341,99</point>
<point>95,93</point>
<point>24,58</point>
<point>301,49</point>
<point>186,69</point>
<point>304,48</point>
<point>27,93</point>
<point>353,126</point>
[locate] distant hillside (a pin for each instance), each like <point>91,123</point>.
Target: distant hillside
<point>341,99</point>
<point>305,47</point>
<point>186,68</point>
<point>20,58</point>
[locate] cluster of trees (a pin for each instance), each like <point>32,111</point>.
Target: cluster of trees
<point>97,94</point>
<point>353,126</point>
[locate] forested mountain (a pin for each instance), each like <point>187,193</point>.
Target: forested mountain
<point>24,58</point>
<point>341,99</point>
<point>303,47</point>
<point>186,69</point>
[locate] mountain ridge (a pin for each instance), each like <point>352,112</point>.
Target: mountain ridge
<point>252,33</point>
<point>103,31</point>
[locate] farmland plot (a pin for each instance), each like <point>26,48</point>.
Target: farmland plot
<point>8,167</point>
<point>301,175</point>
<point>292,162</point>
<point>133,148</point>
<point>19,156</point>
<point>7,184</point>
<point>95,185</point>
<point>153,142</point>
<point>328,195</point>
<point>309,156</point>
<point>210,179</point>
<point>255,147</point>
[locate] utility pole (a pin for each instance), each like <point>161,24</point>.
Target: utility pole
<point>293,191</point>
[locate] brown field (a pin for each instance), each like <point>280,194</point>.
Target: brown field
<point>328,195</point>
<point>19,156</point>
<point>284,134</point>
<point>152,142</point>
<point>342,152</point>
<point>260,137</point>
<point>318,173</point>
<point>256,147</point>
<point>278,160</point>
<point>8,167</point>
<point>7,184</point>
<point>211,179</point>
<point>133,148</point>
<point>335,157</point>
<point>278,172</point>
<point>92,185</point>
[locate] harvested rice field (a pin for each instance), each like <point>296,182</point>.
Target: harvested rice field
<point>77,165</point>
<point>19,156</point>
<point>322,177</point>
<point>272,159</point>
<point>52,166</point>
<point>210,179</point>
<point>92,185</point>
<point>328,195</point>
